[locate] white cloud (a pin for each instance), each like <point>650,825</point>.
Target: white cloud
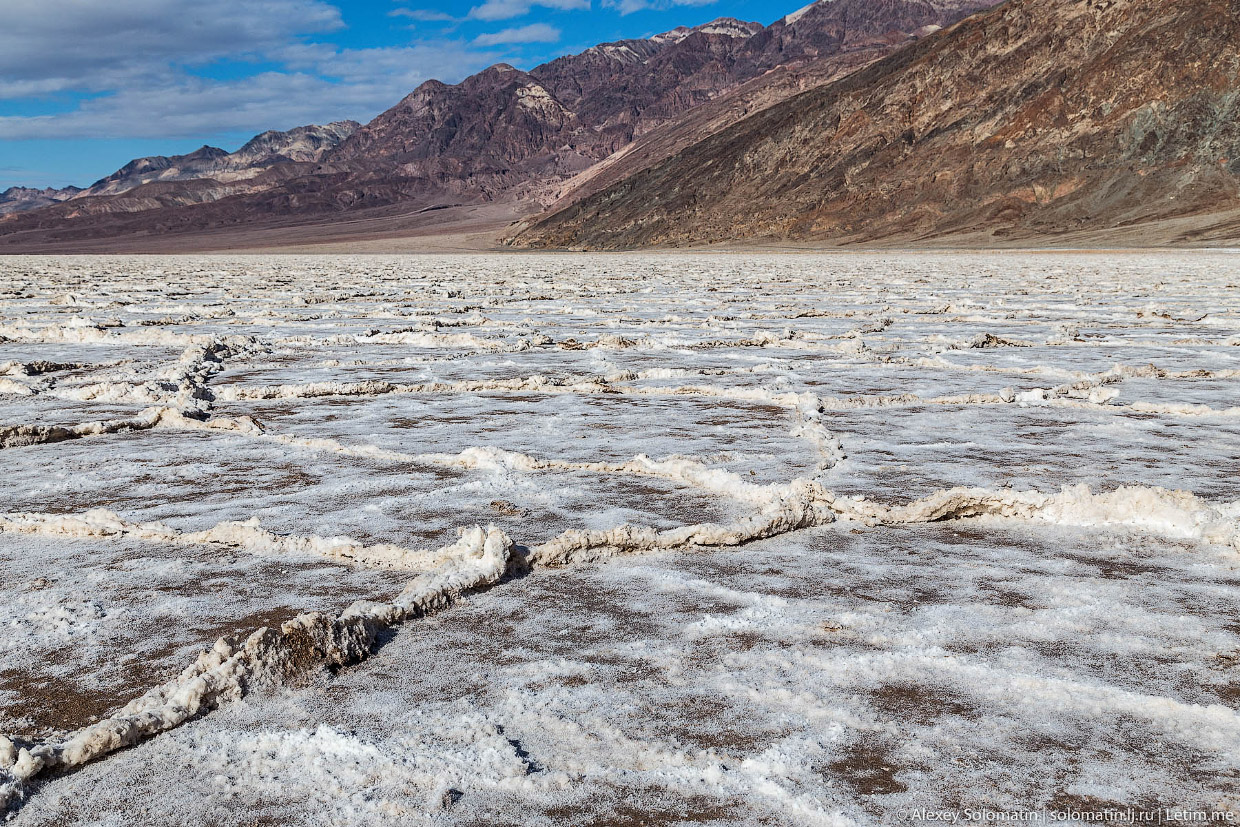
<point>320,85</point>
<point>533,33</point>
<point>137,67</point>
<point>630,6</point>
<point>423,15</point>
<point>508,9</point>
<point>49,46</point>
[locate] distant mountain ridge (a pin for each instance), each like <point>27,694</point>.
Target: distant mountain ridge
<point>20,199</point>
<point>502,135</point>
<point>305,144</point>
<point>506,133</point>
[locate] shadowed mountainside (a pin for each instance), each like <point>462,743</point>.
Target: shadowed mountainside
<point>1036,119</point>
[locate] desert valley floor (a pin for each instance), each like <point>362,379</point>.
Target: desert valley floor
<point>618,540</point>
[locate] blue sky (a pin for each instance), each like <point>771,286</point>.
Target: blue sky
<point>86,85</point>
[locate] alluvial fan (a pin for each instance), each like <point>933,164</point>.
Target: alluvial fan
<point>778,539</point>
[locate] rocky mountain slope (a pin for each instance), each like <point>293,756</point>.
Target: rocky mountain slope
<point>708,118</point>
<point>505,135</point>
<point>1033,120</point>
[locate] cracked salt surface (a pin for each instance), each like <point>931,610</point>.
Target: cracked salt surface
<point>302,444</point>
<point>89,624</point>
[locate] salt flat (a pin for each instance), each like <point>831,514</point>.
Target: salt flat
<point>733,539</point>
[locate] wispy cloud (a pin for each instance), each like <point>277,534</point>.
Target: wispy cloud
<point>508,9</point>
<point>50,46</point>
<point>146,68</point>
<point>533,33</point>
<point>424,15</point>
<point>631,6</point>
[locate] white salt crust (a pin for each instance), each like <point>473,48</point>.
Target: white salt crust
<point>856,352</point>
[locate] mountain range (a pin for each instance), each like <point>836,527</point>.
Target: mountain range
<point>206,168</point>
<point>846,121</point>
